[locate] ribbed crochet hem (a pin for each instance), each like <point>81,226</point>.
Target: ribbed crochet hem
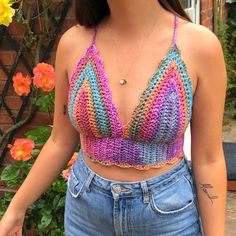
<point>128,153</point>
<point>138,167</point>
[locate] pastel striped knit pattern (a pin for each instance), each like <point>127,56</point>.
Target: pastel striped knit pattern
<point>154,135</point>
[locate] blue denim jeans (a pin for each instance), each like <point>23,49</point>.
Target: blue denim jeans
<point>163,205</point>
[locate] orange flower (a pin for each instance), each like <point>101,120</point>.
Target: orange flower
<point>66,172</point>
<point>21,149</point>
<point>73,159</point>
<point>21,84</point>
<point>44,77</point>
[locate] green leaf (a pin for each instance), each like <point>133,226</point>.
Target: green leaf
<point>39,135</point>
<point>19,15</point>
<point>35,152</point>
<point>230,86</point>
<point>62,201</point>
<point>56,232</point>
<point>38,131</point>
<point>44,102</point>
<point>234,33</point>
<point>10,172</point>
<point>45,221</point>
<point>34,100</point>
<point>32,137</point>
<point>55,201</point>
<point>47,210</point>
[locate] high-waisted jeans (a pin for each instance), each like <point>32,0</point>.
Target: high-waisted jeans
<point>162,205</point>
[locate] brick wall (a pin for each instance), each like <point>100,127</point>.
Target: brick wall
<point>7,57</point>
<point>208,13</point>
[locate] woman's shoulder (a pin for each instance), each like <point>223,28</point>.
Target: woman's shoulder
<point>72,44</point>
<point>202,42</point>
<point>202,49</point>
<point>75,38</point>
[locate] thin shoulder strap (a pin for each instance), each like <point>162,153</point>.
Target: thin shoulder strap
<point>94,35</point>
<point>175,29</point>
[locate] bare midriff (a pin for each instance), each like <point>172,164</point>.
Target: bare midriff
<point>117,173</point>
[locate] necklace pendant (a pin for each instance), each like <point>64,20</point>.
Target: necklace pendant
<point>123,81</point>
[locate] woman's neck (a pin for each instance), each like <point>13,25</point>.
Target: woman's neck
<point>133,15</point>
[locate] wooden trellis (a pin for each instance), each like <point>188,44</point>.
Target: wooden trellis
<point>24,58</point>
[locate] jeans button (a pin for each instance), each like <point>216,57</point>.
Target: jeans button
<point>117,189</point>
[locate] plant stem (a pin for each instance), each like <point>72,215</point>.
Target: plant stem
<point>8,190</point>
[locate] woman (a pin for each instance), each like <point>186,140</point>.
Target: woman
<point>131,176</point>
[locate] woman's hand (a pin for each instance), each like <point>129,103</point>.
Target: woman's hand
<point>12,222</point>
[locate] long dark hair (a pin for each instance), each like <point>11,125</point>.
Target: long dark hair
<point>90,12</point>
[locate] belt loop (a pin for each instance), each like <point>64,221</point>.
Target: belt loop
<point>88,181</point>
<point>145,192</point>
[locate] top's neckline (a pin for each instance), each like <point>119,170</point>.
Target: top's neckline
<point>172,47</point>
<point>93,48</point>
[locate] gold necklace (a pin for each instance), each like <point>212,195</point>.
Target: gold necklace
<point>123,79</point>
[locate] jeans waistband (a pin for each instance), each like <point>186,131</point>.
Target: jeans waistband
<point>81,169</point>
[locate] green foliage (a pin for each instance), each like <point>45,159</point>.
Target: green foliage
<point>4,202</point>
<point>46,215</point>
<point>39,135</point>
<point>19,15</point>
<point>45,101</point>
<point>231,31</point>
<point>37,29</point>
<point>226,33</point>
<point>14,174</point>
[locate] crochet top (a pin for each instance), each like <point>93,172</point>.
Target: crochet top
<point>154,135</point>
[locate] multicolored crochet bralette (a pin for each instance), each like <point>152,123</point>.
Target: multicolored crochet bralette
<point>154,135</point>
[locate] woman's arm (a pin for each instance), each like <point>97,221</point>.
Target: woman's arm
<point>207,154</point>
<point>61,145</point>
